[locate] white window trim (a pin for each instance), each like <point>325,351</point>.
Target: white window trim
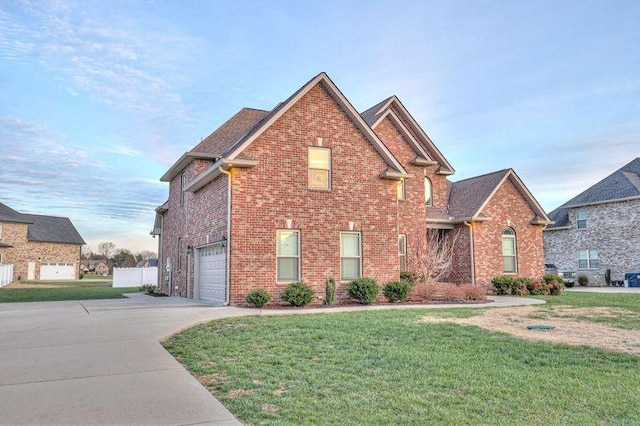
<point>515,251</point>
<point>428,201</point>
<point>402,246</point>
<point>342,279</point>
<point>309,168</point>
<point>1,258</point>
<point>581,220</point>
<point>299,256</point>
<point>401,184</point>
<point>589,259</point>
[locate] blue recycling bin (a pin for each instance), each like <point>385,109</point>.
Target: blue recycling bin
<point>633,278</point>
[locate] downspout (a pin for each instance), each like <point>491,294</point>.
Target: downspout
<point>228,174</point>
<point>473,260</point>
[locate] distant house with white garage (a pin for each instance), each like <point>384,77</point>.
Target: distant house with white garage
<point>39,247</point>
<point>598,229</point>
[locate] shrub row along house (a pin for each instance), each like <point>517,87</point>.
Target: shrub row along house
<point>313,190</point>
<point>39,247</point>
<point>597,230</point>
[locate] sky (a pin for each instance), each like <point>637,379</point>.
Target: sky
<point>99,98</point>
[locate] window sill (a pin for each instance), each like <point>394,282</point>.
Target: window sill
<point>320,189</point>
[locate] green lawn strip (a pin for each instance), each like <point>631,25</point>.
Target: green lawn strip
<point>385,367</point>
<point>627,320</point>
<point>9,295</point>
<point>97,277</point>
<point>75,283</point>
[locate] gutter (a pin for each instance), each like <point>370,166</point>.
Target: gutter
<point>473,260</point>
<point>228,268</point>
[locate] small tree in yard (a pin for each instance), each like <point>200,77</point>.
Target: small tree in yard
<point>430,253</point>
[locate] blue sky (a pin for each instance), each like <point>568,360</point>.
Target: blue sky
<point>99,98</point>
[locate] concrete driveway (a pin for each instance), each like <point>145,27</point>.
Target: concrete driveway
<point>99,361</point>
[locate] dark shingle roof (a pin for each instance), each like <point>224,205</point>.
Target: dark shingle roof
<point>52,229</point>
<point>623,183</point>
<point>7,214</point>
<point>370,116</point>
<point>218,142</point>
<point>468,195</point>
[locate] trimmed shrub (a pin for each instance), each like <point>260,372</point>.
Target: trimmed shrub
<point>583,280</point>
<point>555,288</point>
<point>397,290</point>
<point>547,278</point>
<point>365,290</point>
<point>297,294</point>
<point>424,291</point>
<point>330,292</point>
<point>522,286</point>
<point>149,288</point>
<point>452,292</point>
<point>473,293</point>
<point>258,298</point>
<point>503,284</point>
<point>539,288</point>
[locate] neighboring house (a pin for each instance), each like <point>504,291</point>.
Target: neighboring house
<point>149,263</point>
<point>39,247</point>
<point>94,266</point>
<point>313,190</point>
<point>598,229</point>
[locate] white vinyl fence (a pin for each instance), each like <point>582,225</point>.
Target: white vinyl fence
<point>135,277</point>
<point>6,274</point>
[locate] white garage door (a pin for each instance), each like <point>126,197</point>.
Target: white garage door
<point>212,274</point>
<point>57,271</point>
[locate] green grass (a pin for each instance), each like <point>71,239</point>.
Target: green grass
<point>628,302</point>
<point>386,367</point>
<point>97,277</point>
<point>67,291</point>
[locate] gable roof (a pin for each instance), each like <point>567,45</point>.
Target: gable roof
<point>233,155</point>
<point>470,196</point>
<point>374,116</point>
<point>7,214</point>
<point>52,229</point>
<point>623,184</point>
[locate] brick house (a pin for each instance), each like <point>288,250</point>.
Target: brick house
<point>313,190</point>
<point>598,229</point>
<point>39,247</point>
<point>94,266</point>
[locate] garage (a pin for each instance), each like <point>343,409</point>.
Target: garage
<point>212,264</point>
<point>57,271</point>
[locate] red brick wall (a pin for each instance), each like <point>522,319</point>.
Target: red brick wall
<point>461,268</point>
<point>507,208</point>
<point>265,196</point>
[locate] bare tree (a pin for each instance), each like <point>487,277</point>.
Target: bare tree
<point>430,253</point>
<point>86,252</point>
<point>147,254</point>
<point>106,248</point>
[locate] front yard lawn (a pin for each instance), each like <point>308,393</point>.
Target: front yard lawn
<point>389,367</point>
<point>48,291</point>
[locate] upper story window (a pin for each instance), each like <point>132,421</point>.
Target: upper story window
<point>350,256</point>
<point>288,256</point>
<point>401,190</point>
<point>428,196</point>
<point>581,219</point>
<point>319,168</point>
<point>588,259</point>
<point>0,232</point>
<point>509,255</point>
<point>183,185</point>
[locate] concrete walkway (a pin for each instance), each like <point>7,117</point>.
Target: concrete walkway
<point>99,361</point>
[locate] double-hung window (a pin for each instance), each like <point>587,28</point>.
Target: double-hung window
<point>581,219</point>
<point>288,256</point>
<point>588,259</point>
<point>509,255</point>
<point>319,168</point>
<point>402,252</point>
<point>350,256</point>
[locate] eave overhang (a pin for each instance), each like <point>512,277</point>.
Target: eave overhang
<point>215,169</point>
<point>183,162</point>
